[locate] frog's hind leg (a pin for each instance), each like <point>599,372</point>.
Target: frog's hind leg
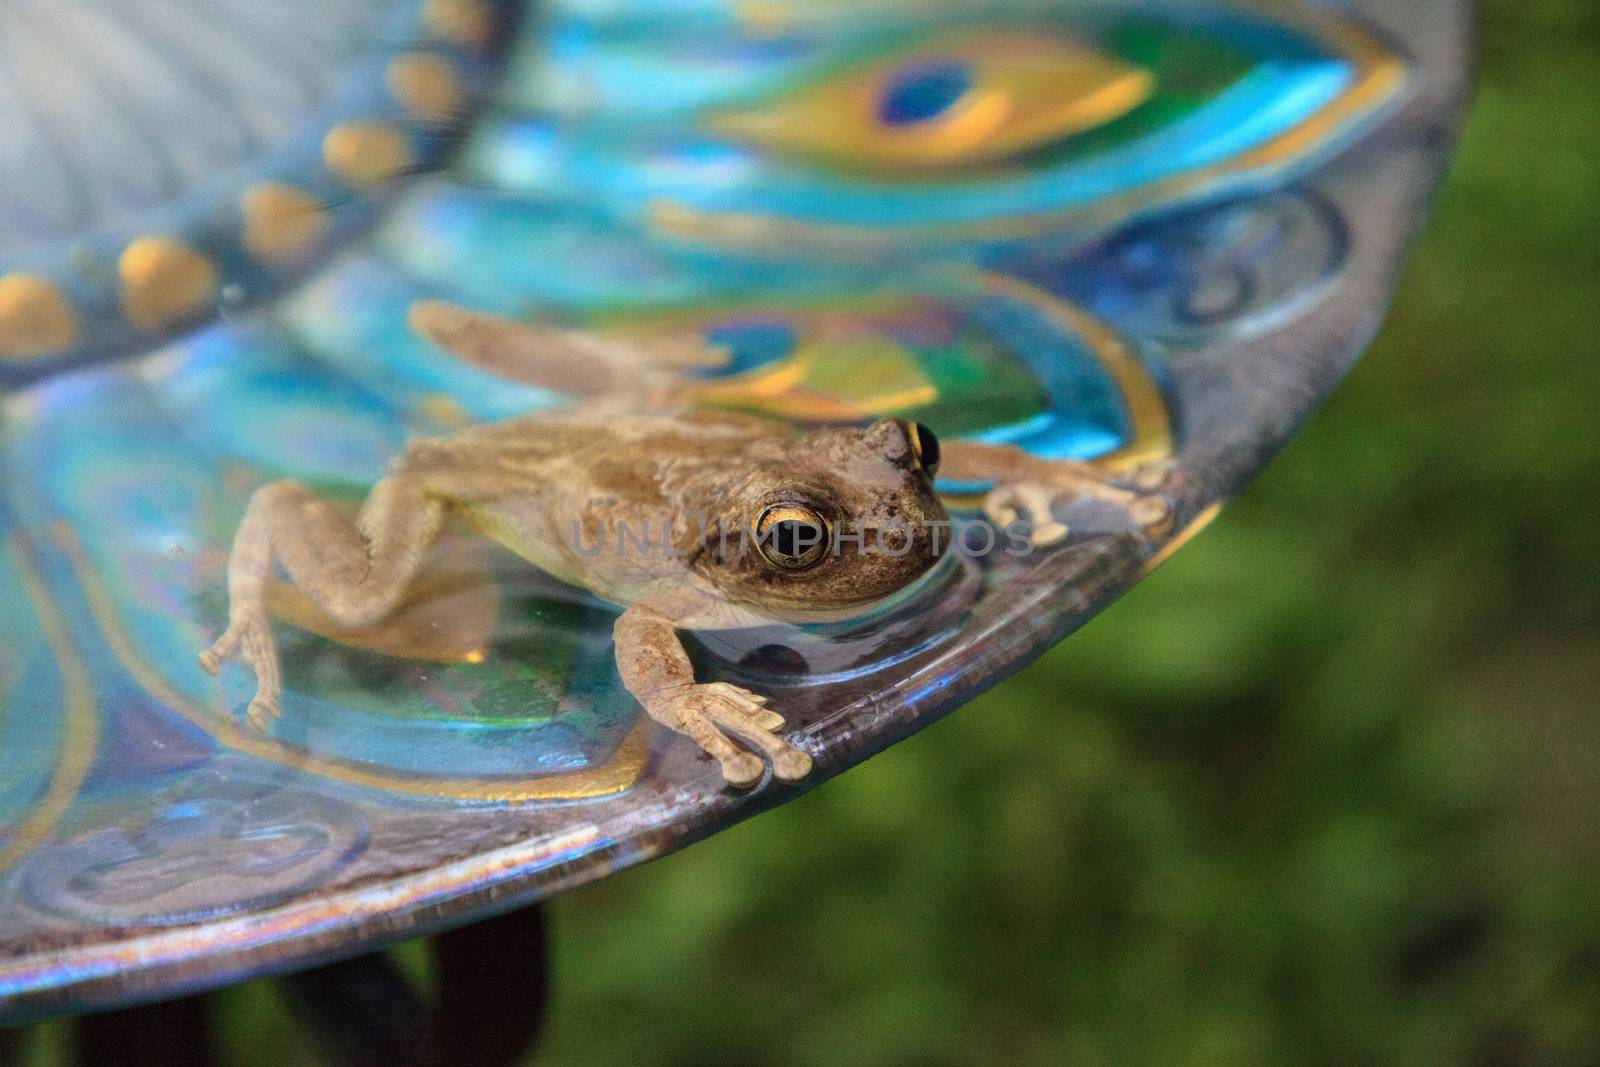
<point>356,572</point>
<point>574,362</point>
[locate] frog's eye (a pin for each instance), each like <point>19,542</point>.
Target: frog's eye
<point>792,537</point>
<point>926,448</point>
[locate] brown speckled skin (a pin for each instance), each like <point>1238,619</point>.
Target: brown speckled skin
<point>645,500</point>
<point>645,510</point>
<point>1237,396</point>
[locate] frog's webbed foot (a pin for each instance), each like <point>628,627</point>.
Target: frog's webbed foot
<point>1028,486</point>
<point>657,671</point>
<point>1005,504</point>
<point>249,633</point>
<point>709,713</point>
<point>355,572</point>
<point>1036,494</point>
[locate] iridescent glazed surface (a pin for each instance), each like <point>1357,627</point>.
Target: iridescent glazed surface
<point>1118,232</point>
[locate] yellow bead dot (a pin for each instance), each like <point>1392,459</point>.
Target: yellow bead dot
<point>164,281</point>
<point>426,87</point>
<point>761,18</point>
<point>35,319</point>
<point>366,154</point>
<point>280,221</point>
<point>462,21</point>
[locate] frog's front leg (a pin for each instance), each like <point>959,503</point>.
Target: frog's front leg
<point>656,670</point>
<point>1026,484</point>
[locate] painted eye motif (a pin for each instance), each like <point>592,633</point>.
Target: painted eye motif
<point>921,92</point>
<point>792,537</point>
<point>948,102</point>
<point>926,448</point>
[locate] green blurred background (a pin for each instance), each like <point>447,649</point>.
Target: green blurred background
<point>1324,788</point>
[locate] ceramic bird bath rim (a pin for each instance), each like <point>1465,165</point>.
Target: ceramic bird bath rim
<point>1145,237</point>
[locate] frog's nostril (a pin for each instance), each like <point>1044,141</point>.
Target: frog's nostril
<point>926,447</point>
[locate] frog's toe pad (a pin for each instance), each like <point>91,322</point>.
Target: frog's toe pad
<point>249,635</point>
<point>744,715</point>
<point>1008,503</point>
<point>716,714</point>
<point>1047,533</point>
<point>1151,512</point>
<point>741,770</point>
<point>263,709</point>
<point>211,659</point>
<point>791,765</point>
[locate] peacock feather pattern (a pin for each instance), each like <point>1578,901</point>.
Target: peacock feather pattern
<point>1006,220</point>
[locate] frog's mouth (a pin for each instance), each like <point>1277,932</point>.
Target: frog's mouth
<point>833,622</point>
<point>805,609</point>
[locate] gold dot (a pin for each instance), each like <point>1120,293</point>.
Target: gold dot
<point>280,221</point>
<point>426,87</point>
<point>164,281</point>
<point>461,21</point>
<point>761,18</point>
<point>35,319</point>
<point>366,153</point>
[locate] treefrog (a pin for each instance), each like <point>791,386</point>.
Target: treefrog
<point>686,516</point>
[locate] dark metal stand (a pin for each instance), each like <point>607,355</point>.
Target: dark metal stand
<point>174,1032</point>
<point>492,980</point>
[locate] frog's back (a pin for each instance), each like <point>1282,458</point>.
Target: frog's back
<point>585,432</point>
<point>567,481</point>
<point>534,449</point>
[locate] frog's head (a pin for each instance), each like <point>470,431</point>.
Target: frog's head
<point>838,520</point>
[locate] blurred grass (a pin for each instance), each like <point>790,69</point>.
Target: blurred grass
<point>1324,788</point>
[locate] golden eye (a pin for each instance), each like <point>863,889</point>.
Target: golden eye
<point>792,537</point>
<point>926,448</point>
